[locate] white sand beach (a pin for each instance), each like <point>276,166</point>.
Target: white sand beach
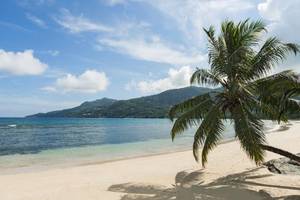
<point>228,175</point>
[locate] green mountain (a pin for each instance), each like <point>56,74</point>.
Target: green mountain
<point>154,106</point>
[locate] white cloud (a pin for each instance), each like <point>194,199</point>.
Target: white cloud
<point>91,81</point>
<point>152,50</point>
<point>36,20</point>
<point>49,52</point>
<point>18,105</point>
<point>264,10</point>
<point>14,26</point>
<point>284,18</point>
<point>191,16</point>
<point>77,24</point>
<point>21,63</point>
<point>131,28</point>
<point>176,78</point>
<point>31,3</point>
<point>115,2</point>
<point>53,52</point>
<point>49,89</point>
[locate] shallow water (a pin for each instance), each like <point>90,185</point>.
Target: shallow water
<point>43,142</point>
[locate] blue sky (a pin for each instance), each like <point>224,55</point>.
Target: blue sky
<point>57,54</point>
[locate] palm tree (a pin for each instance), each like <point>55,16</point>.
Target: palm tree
<point>240,61</point>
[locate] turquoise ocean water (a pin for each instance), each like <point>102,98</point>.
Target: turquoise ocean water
<point>42,142</point>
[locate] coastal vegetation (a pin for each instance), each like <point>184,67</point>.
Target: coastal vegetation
<point>240,61</point>
<point>154,106</point>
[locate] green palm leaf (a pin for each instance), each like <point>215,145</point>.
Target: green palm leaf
<point>272,52</point>
<point>249,131</point>
<point>208,133</point>
<point>206,77</point>
<point>240,64</point>
<point>191,117</point>
<point>187,105</point>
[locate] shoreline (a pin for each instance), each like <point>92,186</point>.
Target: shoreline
<point>71,164</point>
<point>78,163</point>
<point>228,174</point>
<point>144,156</point>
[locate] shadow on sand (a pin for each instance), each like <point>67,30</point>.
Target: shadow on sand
<point>188,186</point>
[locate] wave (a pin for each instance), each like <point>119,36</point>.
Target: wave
<point>12,125</point>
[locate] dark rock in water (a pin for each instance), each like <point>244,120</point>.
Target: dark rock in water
<point>283,166</point>
<point>265,194</point>
<point>292,162</point>
<point>272,168</point>
<point>292,197</point>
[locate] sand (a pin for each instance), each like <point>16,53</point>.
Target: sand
<point>228,175</point>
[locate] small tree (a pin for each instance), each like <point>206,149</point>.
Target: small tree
<point>239,62</point>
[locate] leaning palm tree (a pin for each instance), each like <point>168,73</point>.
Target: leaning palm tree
<point>240,61</point>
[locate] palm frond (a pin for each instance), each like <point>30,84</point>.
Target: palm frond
<point>244,34</point>
<point>275,84</point>
<point>216,51</point>
<point>191,117</point>
<point>210,32</point>
<point>240,64</point>
<point>272,52</point>
<point>287,103</point>
<point>276,91</point>
<point>271,92</point>
<point>249,131</point>
<point>208,133</point>
<point>206,77</point>
<point>187,105</point>
<point>212,139</point>
<point>262,109</point>
<point>239,40</point>
<point>249,32</point>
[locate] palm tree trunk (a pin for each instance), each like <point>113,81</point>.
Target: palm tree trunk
<point>281,152</point>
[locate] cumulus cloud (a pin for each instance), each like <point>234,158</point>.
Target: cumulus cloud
<point>176,78</point>
<point>39,22</point>
<point>91,81</point>
<point>151,50</point>
<point>21,63</point>
<point>284,18</point>
<point>77,24</point>
<point>191,16</point>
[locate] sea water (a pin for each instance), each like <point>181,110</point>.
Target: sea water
<point>44,142</point>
